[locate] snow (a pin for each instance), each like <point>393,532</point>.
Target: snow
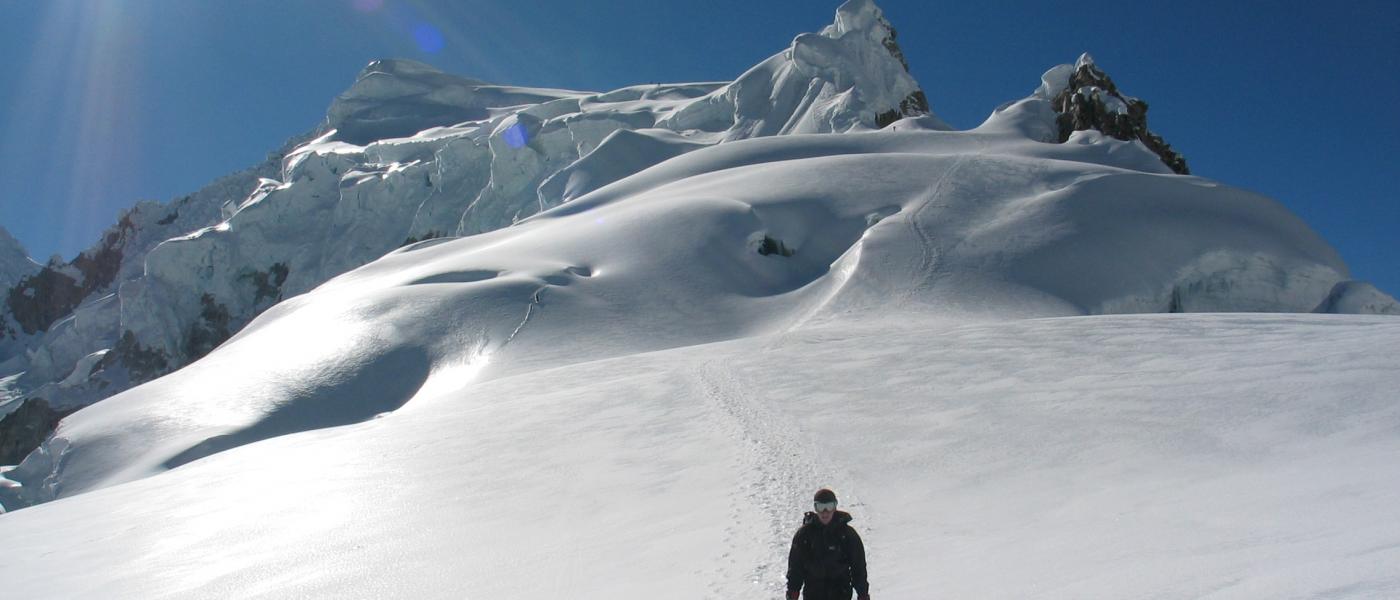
<point>621,397</point>
<point>15,263</point>
<point>1221,456</point>
<point>409,153</point>
<point>608,391</point>
<point>987,226</point>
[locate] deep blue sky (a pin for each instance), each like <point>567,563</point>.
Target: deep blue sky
<point>106,102</point>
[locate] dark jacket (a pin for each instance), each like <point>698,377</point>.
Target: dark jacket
<point>828,560</point>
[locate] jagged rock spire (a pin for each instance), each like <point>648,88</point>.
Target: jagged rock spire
<point>1090,100</point>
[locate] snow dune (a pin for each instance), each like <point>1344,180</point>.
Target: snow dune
<point>735,240</point>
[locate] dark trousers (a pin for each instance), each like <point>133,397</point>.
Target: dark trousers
<point>826,590</point>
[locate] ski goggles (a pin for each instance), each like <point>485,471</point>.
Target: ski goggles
<point>824,506</point>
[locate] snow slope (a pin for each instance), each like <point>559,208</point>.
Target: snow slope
<point>409,153</point>
<point>980,225</point>
<point>633,393</point>
<point>1207,456</point>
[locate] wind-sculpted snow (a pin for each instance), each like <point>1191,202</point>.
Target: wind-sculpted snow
<point>1233,456</point>
<point>739,239</point>
<point>643,325</point>
<point>409,153</point>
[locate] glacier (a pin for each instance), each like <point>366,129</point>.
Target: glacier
<point>468,333</point>
<point>409,153</point>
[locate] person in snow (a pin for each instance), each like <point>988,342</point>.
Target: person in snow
<point>827,560</point>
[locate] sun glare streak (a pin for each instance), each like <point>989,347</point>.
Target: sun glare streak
<point>84,72</point>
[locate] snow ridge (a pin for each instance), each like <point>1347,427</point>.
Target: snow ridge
<point>406,154</point>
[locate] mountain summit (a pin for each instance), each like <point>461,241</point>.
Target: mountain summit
<point>1088,99</point>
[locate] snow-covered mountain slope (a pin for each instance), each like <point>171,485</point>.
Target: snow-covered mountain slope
<point>409,153</point>
<point>676,321</point>
<point>744,238</point>
<point>60,321</point>
<point>1202,456</point>
<point>15,263</point>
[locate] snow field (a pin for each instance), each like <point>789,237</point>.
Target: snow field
<point>1213,456</point>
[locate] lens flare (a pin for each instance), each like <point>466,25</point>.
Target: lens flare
<point>429,38</point>
<point>516,136</point>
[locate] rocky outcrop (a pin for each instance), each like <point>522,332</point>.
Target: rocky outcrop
<point>913,105</point>
<point>24,429</point>
<point>1090,100</point>
<point>52,293</point>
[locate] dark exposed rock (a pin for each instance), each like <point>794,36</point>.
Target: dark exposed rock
<point>1175,305</point>
<point>1092,101</point>
<point>892,46</point>
<point>772,246</point>
<point>43,298</point>
<point>142,364</point>
<point>209,331</point>
<point>268,284</point>
<point>431,235</point>
<point>913,105</point>
<point>26,428</point>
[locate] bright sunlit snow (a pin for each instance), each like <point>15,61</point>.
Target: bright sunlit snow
<point>1168,456</point>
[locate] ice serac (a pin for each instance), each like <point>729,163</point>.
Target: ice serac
<point>399,98</point>
<point>66,314</point>
<point>851,76</point>
<point>409,153</point>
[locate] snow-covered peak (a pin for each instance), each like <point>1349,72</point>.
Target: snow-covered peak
<point>15,262</point>
<point>398,98</point>
<point>725,241</point>
<point>856,15</point>
<point>409,153</point>
<point>664,203</point>
<point>858,55</point>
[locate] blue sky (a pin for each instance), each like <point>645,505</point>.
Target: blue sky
<point>106,102</point>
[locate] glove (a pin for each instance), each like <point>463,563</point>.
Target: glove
<point>863,597</point>
<point>792,595</point>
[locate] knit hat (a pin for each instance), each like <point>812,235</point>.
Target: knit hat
<point>824,495</point>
